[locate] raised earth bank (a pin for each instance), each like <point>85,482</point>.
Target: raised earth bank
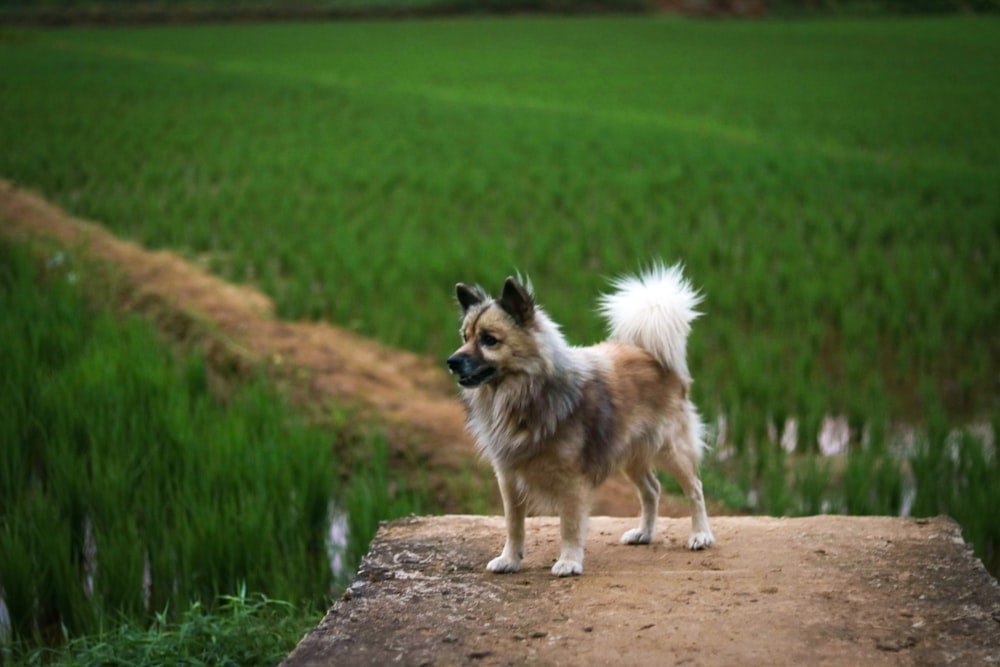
<point>824,590</point>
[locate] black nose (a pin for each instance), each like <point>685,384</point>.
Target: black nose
<point>456,363</point>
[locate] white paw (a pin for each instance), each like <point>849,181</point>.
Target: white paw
<point>636,536</point>
<point>503,565</point>
<point>567,568</point>
<point>700,540</point>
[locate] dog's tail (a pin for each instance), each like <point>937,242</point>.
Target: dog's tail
<point>654,311</point>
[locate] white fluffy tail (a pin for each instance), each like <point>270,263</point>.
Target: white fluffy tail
<point>654,311</point>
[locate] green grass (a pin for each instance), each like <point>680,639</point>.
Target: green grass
<point>831,185</point>
<point>242,630</point>
<point>127,488</point>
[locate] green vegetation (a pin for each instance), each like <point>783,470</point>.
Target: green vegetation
<point>243,631</point>
<point>832,186</point>
<point>126,488</point>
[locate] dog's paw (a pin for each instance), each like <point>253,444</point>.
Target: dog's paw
<point>636,536</point>
<point>700,540</point>
<point>503,565</point>
<point>567,568</point>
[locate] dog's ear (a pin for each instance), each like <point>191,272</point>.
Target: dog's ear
<point>469,296</point>
<point>517,301</point>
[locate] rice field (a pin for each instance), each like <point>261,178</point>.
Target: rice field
<point>830,185</point>
<point>130,490</point>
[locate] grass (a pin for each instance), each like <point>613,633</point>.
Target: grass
<point>128,488</point>
<point>831,185</point>
<point>242,630</point>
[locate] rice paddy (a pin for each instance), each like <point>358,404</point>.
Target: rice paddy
<point>128,488</point>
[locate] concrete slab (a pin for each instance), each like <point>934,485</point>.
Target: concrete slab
<point>828,590</point>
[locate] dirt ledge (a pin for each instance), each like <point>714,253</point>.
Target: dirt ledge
<point>828,590</point>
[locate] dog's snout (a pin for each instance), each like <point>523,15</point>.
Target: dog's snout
<point>457,362</point>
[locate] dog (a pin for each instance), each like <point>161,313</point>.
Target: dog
<point>555,421</point>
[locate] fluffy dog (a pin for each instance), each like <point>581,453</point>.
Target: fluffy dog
<point>556,420</point>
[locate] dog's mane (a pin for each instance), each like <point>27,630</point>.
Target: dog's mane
<point>514,419</point>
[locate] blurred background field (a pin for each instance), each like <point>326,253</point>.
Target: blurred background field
<point>832,185</point>
<point>829,185</point>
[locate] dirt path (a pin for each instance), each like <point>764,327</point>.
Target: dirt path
<point>409,397</point>
<point>825,590</point>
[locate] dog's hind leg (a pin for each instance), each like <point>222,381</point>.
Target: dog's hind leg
<point>683,465</point>
<point>514,509</point>
<point>649,498</point>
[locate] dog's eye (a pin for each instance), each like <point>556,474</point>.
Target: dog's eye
<point>488,340</point>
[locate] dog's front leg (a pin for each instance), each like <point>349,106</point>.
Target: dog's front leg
<point>574,510</point>
<point>514,505</point>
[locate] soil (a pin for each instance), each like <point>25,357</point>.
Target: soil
<point>824,590</point>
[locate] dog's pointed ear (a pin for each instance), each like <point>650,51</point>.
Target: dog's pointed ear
<point>517,301</point>
<point>469,296</point>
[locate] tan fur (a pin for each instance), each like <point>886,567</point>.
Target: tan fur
<point>555,421</point>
